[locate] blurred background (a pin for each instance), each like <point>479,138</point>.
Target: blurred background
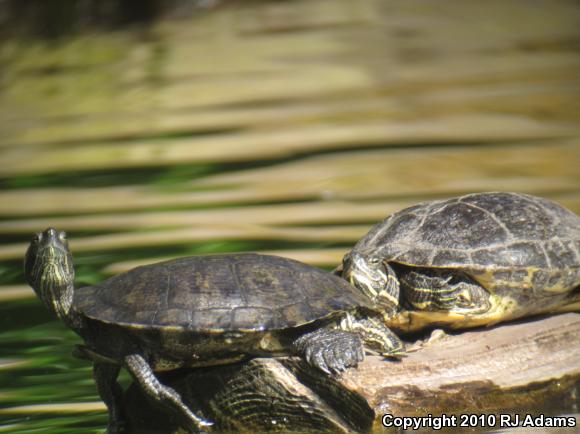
<point>161,128</point>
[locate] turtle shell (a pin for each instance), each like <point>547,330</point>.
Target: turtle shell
<point>218,293</point>
<point>506,236</point>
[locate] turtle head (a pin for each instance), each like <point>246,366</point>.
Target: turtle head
<point>371,275</point>
<point>48,269</point>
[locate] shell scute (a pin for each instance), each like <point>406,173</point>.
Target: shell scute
<point>170,317</point>
<point>389,233</point>
<point>540,278</point>
<point>445,257</point>
<point>524,254</point>
<point>219,293</point>
<point>521,276</point>
<point>499,238</point>
<point>556,281</point>
<point>211,318</point>
<point>489,257</point>
<point>414,256</point>
<point>482,230</point>
<point>242,316</point>
<point>461,226</point>
<point>561,253</point>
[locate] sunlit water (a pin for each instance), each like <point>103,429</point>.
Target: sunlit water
<point>280,127</point>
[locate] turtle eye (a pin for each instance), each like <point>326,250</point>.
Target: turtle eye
<point>37,237</point>
<point>62,236</point>
<point>374,260</point>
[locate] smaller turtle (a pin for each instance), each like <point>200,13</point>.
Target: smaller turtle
<point>472,260</point>
<point>203,311</point>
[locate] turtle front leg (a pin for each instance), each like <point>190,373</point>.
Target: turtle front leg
<point>112,395</point>
<point>164,395</point>
<point>443,290</point>
<point>330,350</point>
<point>375,334</point>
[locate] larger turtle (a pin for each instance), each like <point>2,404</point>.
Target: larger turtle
<point>472,260</point>
<point>202,311</point>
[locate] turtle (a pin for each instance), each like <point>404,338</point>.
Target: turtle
<point>469,261</point>
<point>201,311</point>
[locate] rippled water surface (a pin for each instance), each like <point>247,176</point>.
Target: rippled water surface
<point>281,127</point>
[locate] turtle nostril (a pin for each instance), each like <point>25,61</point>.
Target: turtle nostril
<point>52,233</point>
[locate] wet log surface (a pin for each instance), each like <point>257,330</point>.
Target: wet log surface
<point>512,367</point>
<point>515,368</point>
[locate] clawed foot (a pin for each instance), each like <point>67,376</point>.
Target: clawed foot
<point>162,394</point>
<point>193,423</point>
<point>193,430</point>
<point>331,351</point>
<point>196,425</point>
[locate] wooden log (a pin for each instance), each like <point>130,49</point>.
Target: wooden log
<point>515,367</point>
<point>262,395</point>
<point>523,367</point>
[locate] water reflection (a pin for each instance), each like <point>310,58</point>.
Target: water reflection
<point>286,127</point>
<point>58,18</point>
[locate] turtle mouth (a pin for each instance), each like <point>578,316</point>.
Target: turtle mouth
<point>368,281</point>
<point>368,286</point>
<point>48,262</point>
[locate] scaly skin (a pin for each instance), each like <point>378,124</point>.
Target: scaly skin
<point>49,270</point>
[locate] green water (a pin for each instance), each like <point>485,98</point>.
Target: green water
<point>284,127</point>
<point>46,374</point>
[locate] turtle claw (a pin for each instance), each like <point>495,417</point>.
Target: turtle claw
<point>195,430</point>
<point>331,351</point>
<point>333,360</point>
<point>360,354</point>
<point>338,355</point>
<point>319,360</point>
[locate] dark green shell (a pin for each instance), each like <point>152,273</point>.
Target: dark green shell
<point>516,237</point>
<point>233,292</point>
